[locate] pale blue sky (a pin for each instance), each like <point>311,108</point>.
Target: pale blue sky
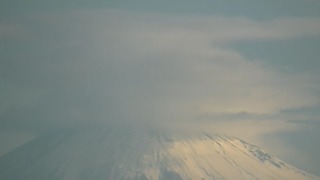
<point>73,63</point>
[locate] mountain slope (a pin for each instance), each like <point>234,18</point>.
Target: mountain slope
<point>141,154</point>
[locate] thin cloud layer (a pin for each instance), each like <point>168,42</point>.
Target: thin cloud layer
<point>86,67</point>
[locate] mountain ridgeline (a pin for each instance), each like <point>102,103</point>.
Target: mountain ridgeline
<point>141,154</point>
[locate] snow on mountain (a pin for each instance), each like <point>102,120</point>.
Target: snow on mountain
<point>141,154</point>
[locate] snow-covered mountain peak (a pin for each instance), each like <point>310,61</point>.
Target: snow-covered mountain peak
<point>130,154</point>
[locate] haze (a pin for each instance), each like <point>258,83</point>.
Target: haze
<point>249,69</point>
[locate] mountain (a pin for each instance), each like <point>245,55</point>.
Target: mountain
<point>140,154</point>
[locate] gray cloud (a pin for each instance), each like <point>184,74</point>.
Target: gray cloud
<point>88,67</point>
<point>10,30</point>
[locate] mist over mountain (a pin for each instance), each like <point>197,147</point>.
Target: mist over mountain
<point>141,153</point>
<point>79,83</point>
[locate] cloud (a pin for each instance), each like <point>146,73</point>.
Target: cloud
<point>208,28</point>
<point>86,67</point>
<point>11,30</point>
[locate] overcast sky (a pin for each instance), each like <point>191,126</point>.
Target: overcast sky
<point>248,68</point>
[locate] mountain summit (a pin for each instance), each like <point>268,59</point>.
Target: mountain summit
<point>140,155</point>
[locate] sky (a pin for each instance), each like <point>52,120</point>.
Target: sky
<point>247,68</point>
